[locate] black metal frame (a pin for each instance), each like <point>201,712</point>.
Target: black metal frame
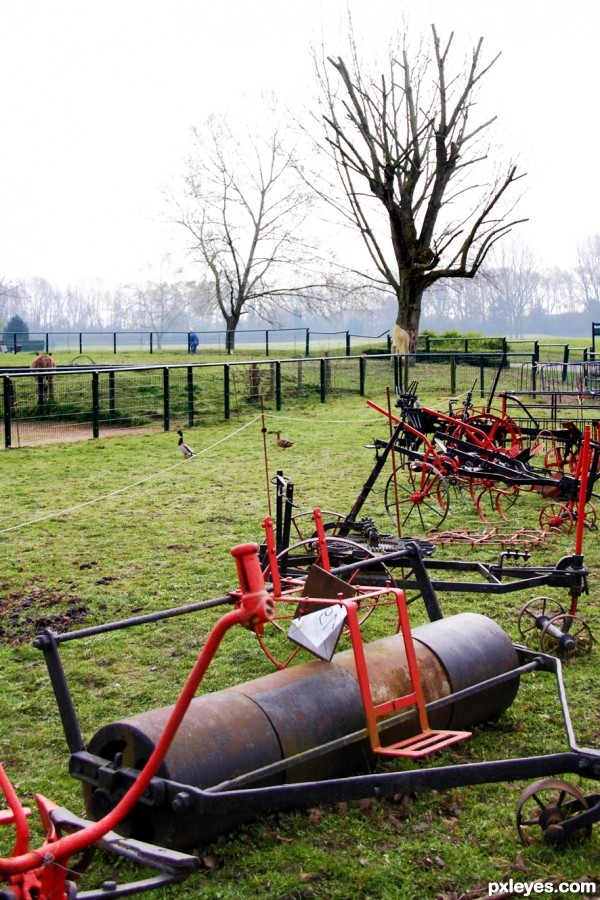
<point>241,793</point>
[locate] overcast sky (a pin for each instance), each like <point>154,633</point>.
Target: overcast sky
<point>98,97</point>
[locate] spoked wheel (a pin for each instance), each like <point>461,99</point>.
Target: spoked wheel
<point>590,516</point>
<point>539,609</point>
<point>423,496</point>
<point>492,499</point>
<point>503,433</point>
<point>304,523</point>
<point>556,517</point>
<point>296,561</point>
<point>545,806</point>
<point>575,638</point>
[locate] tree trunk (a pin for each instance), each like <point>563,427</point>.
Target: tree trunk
<point>409,296</point>
<point>231,323</point>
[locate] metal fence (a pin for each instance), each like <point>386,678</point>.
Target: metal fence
<point>270,341</point>
<point>73,403</point>
<point>273,342</point>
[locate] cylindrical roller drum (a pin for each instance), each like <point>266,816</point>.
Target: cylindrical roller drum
<point>234,731</point>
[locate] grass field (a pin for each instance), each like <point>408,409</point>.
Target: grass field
<point>101,530</point>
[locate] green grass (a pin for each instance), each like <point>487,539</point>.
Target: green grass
<point>111,528</point>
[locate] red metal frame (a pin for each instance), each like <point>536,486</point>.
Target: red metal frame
<point>427,740</point>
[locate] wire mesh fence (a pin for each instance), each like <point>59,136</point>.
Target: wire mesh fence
<point>67,404</point>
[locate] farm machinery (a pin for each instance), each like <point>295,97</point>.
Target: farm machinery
<point>159,783</point>
<point>484,452</point>
<point>489,456</point>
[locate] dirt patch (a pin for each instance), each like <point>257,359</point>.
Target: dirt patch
<point>26,612</point>
<point>50,432</point>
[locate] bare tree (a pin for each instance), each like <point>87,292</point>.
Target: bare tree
<point>514,286</point>
<point>588,272</point>
<point>160,307</point>
<point>243,207</point>
<point>558,292</point>
<point>407,136</point>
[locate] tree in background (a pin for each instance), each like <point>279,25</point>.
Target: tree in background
<point>408,143</point>
<point>15,326</point>
<point>515,282</point>
<point>588,272</point>
<point>160,307</point>
<point>243,208</point>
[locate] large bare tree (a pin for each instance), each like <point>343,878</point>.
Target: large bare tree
<point>243,207</point>
<point>409,142</point>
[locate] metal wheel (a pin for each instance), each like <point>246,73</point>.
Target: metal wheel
<point>575,628</point>
<point>590,516</point>
<point>544,806</point>
<point>492,498</point>
<point>296,560</point>
<point>304,523</point>
<point>503,433</point>
<point>423,495</point>
<point>535,609</point>
<point>556,517</point>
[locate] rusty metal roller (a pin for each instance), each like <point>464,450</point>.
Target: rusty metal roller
<point>246,727</point>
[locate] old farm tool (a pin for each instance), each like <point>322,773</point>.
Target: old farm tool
<point>312,733</point>
<point>357,553</point>
<point>437,452</point>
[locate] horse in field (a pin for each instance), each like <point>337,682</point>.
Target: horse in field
<point>400,340</point>
<point>44,379</point>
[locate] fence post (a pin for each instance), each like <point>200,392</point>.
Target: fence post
<point>565,362</point>
<point>277,385</point>
<point>190,396</point>
<point>80,342</point>
<point>323,374</point>
<point>362,375</point>
<point>95,404</point>
<point>111,396</point>
<point>481,376</point>
<point>307,348</point>
<point>267,341</point>
<point>47,342</point>
<point>151,342</point>
<point>226,397</point>
<point>166,399</point>
<point>389,342</point>
<point>347,343</point>
<point>453,375</point>
<point>114,342</point>
<point>7,393</point>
